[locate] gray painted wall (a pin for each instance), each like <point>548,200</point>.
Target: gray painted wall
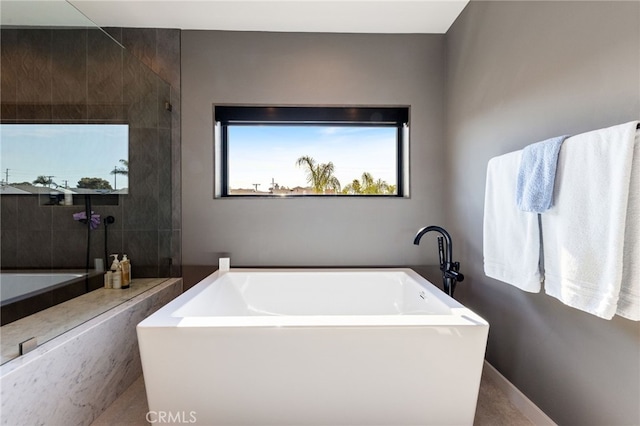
<point>311,69</point>
<point>517,73</point>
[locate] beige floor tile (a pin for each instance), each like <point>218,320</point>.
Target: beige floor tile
<point>130,409</point>
<point>494,409</point>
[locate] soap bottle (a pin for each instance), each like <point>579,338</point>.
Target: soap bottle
<point>125,264</point>
<point>116,272</point>
<point>115,263</point>
<point>116,278</point>
<point>108,279</point>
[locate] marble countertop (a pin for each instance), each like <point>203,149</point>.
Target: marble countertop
<point>50,323</point>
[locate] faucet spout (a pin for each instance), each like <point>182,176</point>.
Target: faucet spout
<point>450,269</point>
<point>439,229</point>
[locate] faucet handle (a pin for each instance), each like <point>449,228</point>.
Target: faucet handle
<point>453,272</point>
<point>454,275</point>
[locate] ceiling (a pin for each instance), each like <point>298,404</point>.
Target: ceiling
<point>344,16</point>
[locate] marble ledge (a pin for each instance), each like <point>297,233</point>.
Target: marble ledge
<point>56,320</point>
<point>74,377</point>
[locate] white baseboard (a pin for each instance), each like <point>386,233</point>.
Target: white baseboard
<point>517,398</point>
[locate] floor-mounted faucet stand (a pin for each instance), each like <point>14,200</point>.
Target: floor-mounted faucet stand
<point>450,269</point>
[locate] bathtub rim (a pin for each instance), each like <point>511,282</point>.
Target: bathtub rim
<point>459,316</point>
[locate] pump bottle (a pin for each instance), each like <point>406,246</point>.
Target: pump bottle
<point>125,264</point>
<point>116,272</point>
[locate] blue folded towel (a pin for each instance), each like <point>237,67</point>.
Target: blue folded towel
<point>537,173</point>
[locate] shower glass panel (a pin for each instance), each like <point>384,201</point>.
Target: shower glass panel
<point>59,69</point>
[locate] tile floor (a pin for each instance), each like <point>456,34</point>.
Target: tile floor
<point>494,409</point>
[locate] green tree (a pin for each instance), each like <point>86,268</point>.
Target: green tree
<point>320,176</point>
<point>93,183</point>
<point>43,180</point>
<point>369,186</point>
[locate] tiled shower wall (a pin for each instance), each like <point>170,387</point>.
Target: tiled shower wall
<point>83,76</point>
<point>159,50</point>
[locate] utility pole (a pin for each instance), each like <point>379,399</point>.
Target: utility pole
<point>255,187</point>
<point>273,185</point>
<point>6,176</point>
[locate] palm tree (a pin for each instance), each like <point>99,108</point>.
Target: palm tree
<point>319,176</point>
<point>381,187</point>
<point>353,188</point>
<point>125,169</point>
<point>120,171</point>
<point>369,186</point>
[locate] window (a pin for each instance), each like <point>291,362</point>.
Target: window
<point>66,158</point>
<point>311,151</point>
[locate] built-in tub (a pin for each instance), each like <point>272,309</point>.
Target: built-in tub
<point>23,293</point>
<point>313,347</point>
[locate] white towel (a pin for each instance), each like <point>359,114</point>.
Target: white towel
<point>511,240</point>
<point>584,231</point>
<point>629,302</point>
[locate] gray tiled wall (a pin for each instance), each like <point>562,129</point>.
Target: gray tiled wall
<point>83,76</point>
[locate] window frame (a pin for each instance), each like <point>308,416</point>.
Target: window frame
<point>369,116</point>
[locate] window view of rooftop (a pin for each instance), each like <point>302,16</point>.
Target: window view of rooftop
<point>65,158</point>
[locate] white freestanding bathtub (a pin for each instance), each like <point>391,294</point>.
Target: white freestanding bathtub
<point>313,347</point>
